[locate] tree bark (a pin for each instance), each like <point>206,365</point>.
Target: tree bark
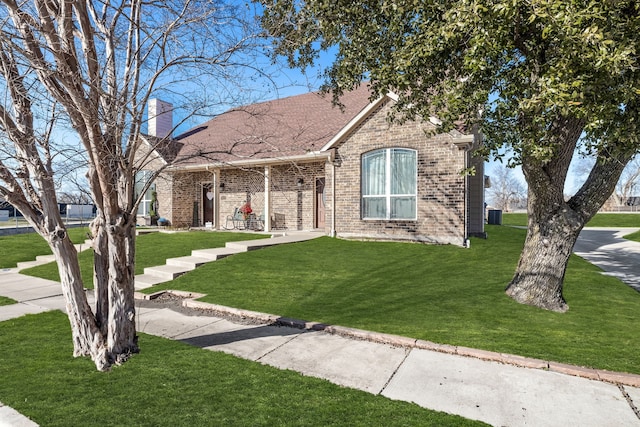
<point>122,340</point>
<point>539,277</point>
<point>87,339</point>
<point>101,272</point>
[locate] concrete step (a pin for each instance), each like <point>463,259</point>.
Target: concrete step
<point>250,245</point>
<point>216,253</point>
<point>143,281</point>
<point>83,246</point>
<point>191,262</point>
<point>43,259</point>
<point>28,264</point>
<point>166,272</point>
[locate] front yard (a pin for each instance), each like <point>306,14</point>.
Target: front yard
<point>444,294</point>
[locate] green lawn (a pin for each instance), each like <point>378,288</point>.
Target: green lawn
<point>633,236</point>
<point>444,294</point>
<point>173,384</point>
<point>25,247</point>
<point>151,249</point>
<point>6,301</point>
<point>600,220</point>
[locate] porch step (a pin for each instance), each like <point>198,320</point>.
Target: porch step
<point>250,245</point>
<point>45,259</point>
<point>28,264</point>
<point>166,272</point>
<point>191,262</point>
<point>216,253</point>
<point>143,281</point>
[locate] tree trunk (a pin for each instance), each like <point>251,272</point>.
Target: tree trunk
<point>87,339</point>
<point>101,272</point>
<point>539,277</point>
<point>122,340</point>
<point>555,224</point>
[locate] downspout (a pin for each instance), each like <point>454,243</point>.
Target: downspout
<point>466,243</point>
<point>466,144</point>
<point>332,161</point>
<point>333,200</point>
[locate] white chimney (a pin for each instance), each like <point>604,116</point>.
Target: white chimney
<point>160,118</point>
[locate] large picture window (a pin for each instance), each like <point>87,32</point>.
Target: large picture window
<point>389,179</point>
<point>142,178</point>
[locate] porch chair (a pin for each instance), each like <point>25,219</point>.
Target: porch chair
<point>259,222</point>
<point>236,220</point>
<point>278,222</point>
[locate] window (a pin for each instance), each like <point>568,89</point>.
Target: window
<point>389,179</point>
<point>142,177</point>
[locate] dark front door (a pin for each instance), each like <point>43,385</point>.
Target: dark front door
<point>320,203</point>
<point>207,203</point>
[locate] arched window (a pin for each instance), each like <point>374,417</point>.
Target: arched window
<point>389,182</point>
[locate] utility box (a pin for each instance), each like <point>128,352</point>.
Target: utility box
<point>495,217</point>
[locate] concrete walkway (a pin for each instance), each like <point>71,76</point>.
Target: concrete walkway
<point>606,248</point>
<point>501,390</point>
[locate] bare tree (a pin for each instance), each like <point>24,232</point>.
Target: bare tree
<point>95,65</point>
<point>628,183</point>
<point>506,189</point>
<point>626,187</point>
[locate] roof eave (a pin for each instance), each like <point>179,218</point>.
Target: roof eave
<point>312,156</point>
<point>354,123</point>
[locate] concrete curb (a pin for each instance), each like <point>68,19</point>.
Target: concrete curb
<point>619,378</point>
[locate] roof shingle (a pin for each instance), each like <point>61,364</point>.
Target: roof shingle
<point>275,129</point>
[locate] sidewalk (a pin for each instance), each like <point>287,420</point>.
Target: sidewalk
<point>606,248</point>
<point>500,394</point>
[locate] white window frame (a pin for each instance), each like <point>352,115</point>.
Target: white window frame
<point>145,204</point>
<point>388,185</point>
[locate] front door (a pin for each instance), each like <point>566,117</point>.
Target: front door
<point>320,203</point>
<point>207,204</point>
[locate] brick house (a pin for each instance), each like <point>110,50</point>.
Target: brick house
<point>303,164</point>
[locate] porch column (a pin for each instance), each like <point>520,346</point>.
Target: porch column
<point>267,198</point>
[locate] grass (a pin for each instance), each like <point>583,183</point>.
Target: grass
<point>633,236</point>
<point>172,383</point>
<point>25,247</point>
<point>151,249</point>
<point>444,294</point>
<point>6,301</point>
<point>600,220</point>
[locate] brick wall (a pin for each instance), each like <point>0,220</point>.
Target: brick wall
<point>440,202</point>
<point>178,191</point>
<point>295,202</point>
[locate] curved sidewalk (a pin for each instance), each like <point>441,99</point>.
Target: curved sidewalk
<point>606,248</point>
<point>443,378</point>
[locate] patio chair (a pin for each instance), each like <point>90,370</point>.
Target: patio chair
<point>278,221</point>
<point>235,221</point>
<point>257,223</point>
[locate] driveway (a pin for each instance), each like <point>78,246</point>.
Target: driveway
<point>606,248</point>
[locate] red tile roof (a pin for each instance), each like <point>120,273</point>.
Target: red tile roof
<point>276,129</point>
